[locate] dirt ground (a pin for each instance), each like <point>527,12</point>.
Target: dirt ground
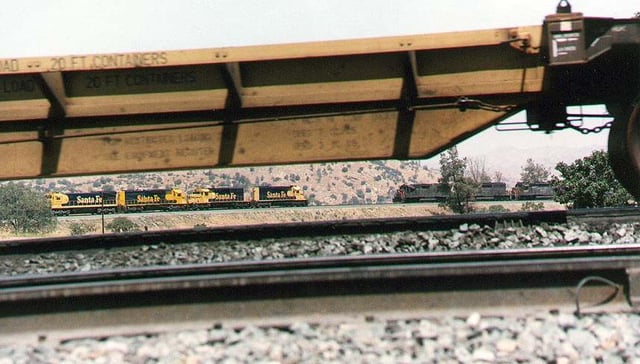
<point>181,220</point>
<point>164,221</point>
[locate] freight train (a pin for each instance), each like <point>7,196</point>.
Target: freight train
<point>174,199</point>
<point>533,191</point>
<point>489,191</point>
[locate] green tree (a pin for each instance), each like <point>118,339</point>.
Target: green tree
<point>476,170</point>
<point>498,176</point>
<point>533,173</point>
<point>461,189</point>
<point>24,210</point>
<point>589,182</point>
<point>122,225</point>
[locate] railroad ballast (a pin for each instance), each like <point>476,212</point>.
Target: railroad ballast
<point>174,199</point>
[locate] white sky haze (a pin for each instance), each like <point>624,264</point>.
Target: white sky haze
<point>44,27</point>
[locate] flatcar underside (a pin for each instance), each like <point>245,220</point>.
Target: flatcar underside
<point>406,97</point>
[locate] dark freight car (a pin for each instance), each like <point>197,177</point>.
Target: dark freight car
<point>534,191</point>
<point>492,191</point>
<point>421,192</point>
<point>438,192</point>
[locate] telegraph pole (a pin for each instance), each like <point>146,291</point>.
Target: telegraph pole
<point>102,210</point>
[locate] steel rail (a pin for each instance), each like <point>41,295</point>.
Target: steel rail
<point>341,268</point>
<point>437,257</point>
<point>551,277</point>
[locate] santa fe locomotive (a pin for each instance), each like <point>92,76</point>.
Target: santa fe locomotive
<point>122,201</point>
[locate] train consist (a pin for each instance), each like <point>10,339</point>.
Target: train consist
<point>174,199</point>
<point>490,191</point>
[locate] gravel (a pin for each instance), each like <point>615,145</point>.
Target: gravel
<point>466,237</point>
<point>546,337</point>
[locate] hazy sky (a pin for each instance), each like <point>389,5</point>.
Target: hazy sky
<point>45,27</point>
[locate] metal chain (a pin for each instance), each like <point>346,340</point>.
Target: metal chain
<point>593,130</point>
<point>464,103</point>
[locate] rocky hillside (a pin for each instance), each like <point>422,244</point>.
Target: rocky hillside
<point>323,183</point>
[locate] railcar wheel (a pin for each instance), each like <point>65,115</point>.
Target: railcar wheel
<point>624,147</point>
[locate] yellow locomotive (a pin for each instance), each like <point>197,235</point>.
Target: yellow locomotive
<point>174,199</point>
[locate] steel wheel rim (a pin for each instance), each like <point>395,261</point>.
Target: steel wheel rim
<point>624,150</point>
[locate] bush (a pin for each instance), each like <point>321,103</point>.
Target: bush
<point>122,225</point>
<point>77,228</point>
<point>589,182</point>
<point>532,206</point>
<point>497,209</point>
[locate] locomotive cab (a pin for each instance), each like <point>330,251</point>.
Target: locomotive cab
<point>176,196</point>
<point>296,193</point>
<point>199,196</point>
<point>57,199</point>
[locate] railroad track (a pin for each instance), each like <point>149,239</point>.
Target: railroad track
<point>105,302</point>
<point>61,305</point>
<point>315,228</point>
